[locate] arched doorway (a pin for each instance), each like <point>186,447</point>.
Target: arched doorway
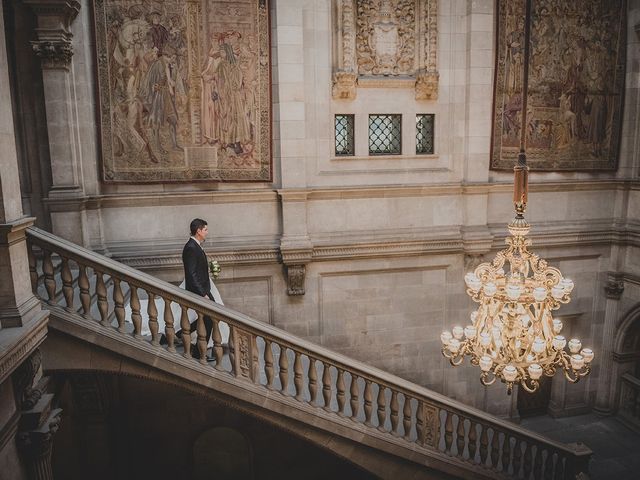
<point>626,371</point>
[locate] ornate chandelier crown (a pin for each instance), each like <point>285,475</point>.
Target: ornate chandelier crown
<point>513,335</point>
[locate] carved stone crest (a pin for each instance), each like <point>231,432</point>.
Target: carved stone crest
<point>383,41</point>
<point>295,279</point>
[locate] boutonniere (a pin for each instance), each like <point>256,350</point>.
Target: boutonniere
<point>214,269</point>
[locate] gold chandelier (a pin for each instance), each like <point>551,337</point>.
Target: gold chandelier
<point>513,335</point>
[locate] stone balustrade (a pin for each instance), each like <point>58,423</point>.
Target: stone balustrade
<point>629,408</point>
<point>98,289</point>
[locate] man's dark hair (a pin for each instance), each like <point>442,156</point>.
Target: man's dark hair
<point>196,224</point>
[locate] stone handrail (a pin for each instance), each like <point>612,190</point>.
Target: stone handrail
<point>276,360</point>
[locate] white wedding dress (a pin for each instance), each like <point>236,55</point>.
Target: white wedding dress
<point>177,312</point>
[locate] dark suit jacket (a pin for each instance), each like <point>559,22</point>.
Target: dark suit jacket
<point>196,270</point>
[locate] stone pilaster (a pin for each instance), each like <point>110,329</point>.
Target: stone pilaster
<point>55,49</point>
<point>613,291</point>
<point>295,246</point>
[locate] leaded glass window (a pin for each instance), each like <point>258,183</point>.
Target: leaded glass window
<point>344,135</point>
<point>424,133</point>
<point>385,134</point>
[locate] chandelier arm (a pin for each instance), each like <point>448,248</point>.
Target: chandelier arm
<point>531,389</point>
<point>486,380</point>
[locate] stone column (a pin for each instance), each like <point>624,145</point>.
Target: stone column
<point>18,305</point>
<point>54,48</point>
<point>613,290</point>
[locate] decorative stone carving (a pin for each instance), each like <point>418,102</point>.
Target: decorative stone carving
<point>53,46</point>
<point>344,85</point>
<point>35,446</point>
<point>295,279</point>
<point>614,288</point>
<point>25,380</point>
<point>382,41</point>
<point>427,86</point>
<point>385,40</point>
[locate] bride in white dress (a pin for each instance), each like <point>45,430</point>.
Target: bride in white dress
<point>177,312</point>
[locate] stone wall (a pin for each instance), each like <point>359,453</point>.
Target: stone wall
<point>385,240</point>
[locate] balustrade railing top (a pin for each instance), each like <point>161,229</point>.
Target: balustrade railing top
<point>320,376</point>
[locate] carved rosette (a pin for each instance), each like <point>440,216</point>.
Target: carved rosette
<point>383,41</point>
<point>54,55</point>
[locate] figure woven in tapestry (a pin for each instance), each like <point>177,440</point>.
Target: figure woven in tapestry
<point>575,85</point>
<point>184,90</point>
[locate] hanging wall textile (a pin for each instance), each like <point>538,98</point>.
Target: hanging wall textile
<point>575,84</point>
<point>184,89</point>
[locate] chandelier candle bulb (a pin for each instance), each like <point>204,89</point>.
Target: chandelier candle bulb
<point>538,346</point>
<point>510,373</point>
<point>513,292</point>
<point>454,345</point>
<point>557,292</point>
<point>577,361</point>
<point>485,363</point>
<point>587,354</point>
<point>557,326</point>
<point>575,345</point>
<point>559,342</point>
<point>540,294</point>
<point>485,339</point>
<point>446,337</point>
<point>490,289</point>
<point>458,332</point>
<point>470,332</point>
<point>535,371</point>
<point>525,320</point>
<point>567,285</point>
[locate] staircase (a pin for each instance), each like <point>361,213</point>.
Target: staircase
<point>98,300</point>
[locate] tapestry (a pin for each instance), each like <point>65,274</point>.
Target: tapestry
<point>184,90</point>
<point>575,84</point>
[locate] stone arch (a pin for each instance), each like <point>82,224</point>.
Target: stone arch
<point>626,352</point>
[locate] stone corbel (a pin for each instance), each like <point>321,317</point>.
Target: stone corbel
<point>427,86</point>
<point>614,287</point>
<point>295,261</point>
<point>344,86</point>
<point>53,45</point>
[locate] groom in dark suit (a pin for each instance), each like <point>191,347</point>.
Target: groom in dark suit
<point>196,271</point>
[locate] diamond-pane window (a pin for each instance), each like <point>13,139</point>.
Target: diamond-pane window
<point>385,134</point>
<point>424,133</point>
<point>344,135</point>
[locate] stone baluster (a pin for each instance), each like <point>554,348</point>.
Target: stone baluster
<point>283,371</point>
<point>201,330</point>
<point>326,387</point>
<point>218,352</point>
<point>473,441</point>
<point>517,457</point>
<point>406,417</point>
<point>101,292</point>
<point>484,443</point>
<point>548,465</point>
<point>368,403</point>
<point>313,381</point>
<point>33,267</point>
<point>460,436</point>
<point>67,284</point>
<point>232,351</point>
<point>118,302</point>
<point>340,391</point>
<point>537,463</point>
<point>185,327</point>
<point>136,318</point>
<point>152,313</point>
<point>448,431</point>
<point>495,449</point>
<point>382,408</point>
<point>268,363</point>
<point>528,459</point>
<point>49,281</point>
<point>395,408</point>
<point>85,296</point>
<point>297,376</point>
<point>506,453</point>
<point>420,424</point>
<point>169,329</point>
<point>354,393</point>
